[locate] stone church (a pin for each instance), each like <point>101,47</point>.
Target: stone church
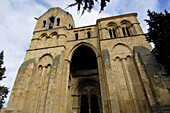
<point>108,67</point>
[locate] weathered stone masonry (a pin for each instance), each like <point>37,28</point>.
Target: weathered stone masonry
<point>103,68</point>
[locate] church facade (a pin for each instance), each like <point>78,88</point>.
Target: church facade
<point>103,68</point>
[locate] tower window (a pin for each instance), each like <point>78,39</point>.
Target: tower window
<point>70,26</point>
<point>44,23</point>
<point>51,24</point>
<point>88,34</point>
<point>58,21</point>
<point>76,36</point>
<point>110,33</point>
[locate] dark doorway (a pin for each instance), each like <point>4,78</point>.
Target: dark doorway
<point>83,61</point>
<point>94,104</point>
<point>84,104</point>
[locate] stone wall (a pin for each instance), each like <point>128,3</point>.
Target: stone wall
<point>127,76</point>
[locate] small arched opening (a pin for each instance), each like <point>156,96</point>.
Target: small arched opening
<point>112,30</point>
<point>127,28</point>
<point>58,21</point>
<point>110,33</point>
<point>123,30</point>
<point>44,23</point>
<point>76,36</point>
<point>88,34</point>
<point>51,24</point>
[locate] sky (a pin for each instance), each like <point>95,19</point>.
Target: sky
<point>17,24</point>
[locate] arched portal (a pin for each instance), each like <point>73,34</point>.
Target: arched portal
<point>84,87</point>
<point>83,62</point>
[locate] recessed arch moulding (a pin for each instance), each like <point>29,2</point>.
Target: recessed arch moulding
<point>84,81</point>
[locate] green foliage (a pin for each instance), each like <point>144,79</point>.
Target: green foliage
<point>87,5</point>
<point>3,90</point>
<point>159,34</point>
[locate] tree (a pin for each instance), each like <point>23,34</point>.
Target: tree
<point>159,34</point>
<point>88,5</point>
<point>3,90</point>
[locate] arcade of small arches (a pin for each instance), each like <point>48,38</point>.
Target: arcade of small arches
<point>44,35</point>
<point>53,34</point>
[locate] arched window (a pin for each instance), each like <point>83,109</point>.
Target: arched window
<point>123,30</point>
<point>88,34</point>
<point>114,33</point>
<point>58,21</point>
<point>110,33</point>
<point>76,36</point>
<point>127,30</point>
<point>51,24</point>
<point>112,30</point>
<point>44,23</point>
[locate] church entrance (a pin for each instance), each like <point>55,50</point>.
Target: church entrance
<point>84,81</point>
<point>89,104</point>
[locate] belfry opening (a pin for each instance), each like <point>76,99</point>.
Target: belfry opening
<point>85,92</point>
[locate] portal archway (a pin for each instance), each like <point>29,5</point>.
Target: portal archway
<point>84,82</point>
<point>82,60</point>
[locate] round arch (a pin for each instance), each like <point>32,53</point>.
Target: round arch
<point>125,22</point>
<point>121,50</point>
<point>122,45</point>
<point>70,55</point>
<point>81,83</point>
<point>45,60</point>
<point>83,59</point>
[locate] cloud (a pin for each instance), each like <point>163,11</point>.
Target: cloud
<point>16,26</point>
<point>43,3</point>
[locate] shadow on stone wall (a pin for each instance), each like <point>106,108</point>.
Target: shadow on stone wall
<point>155,74</point>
